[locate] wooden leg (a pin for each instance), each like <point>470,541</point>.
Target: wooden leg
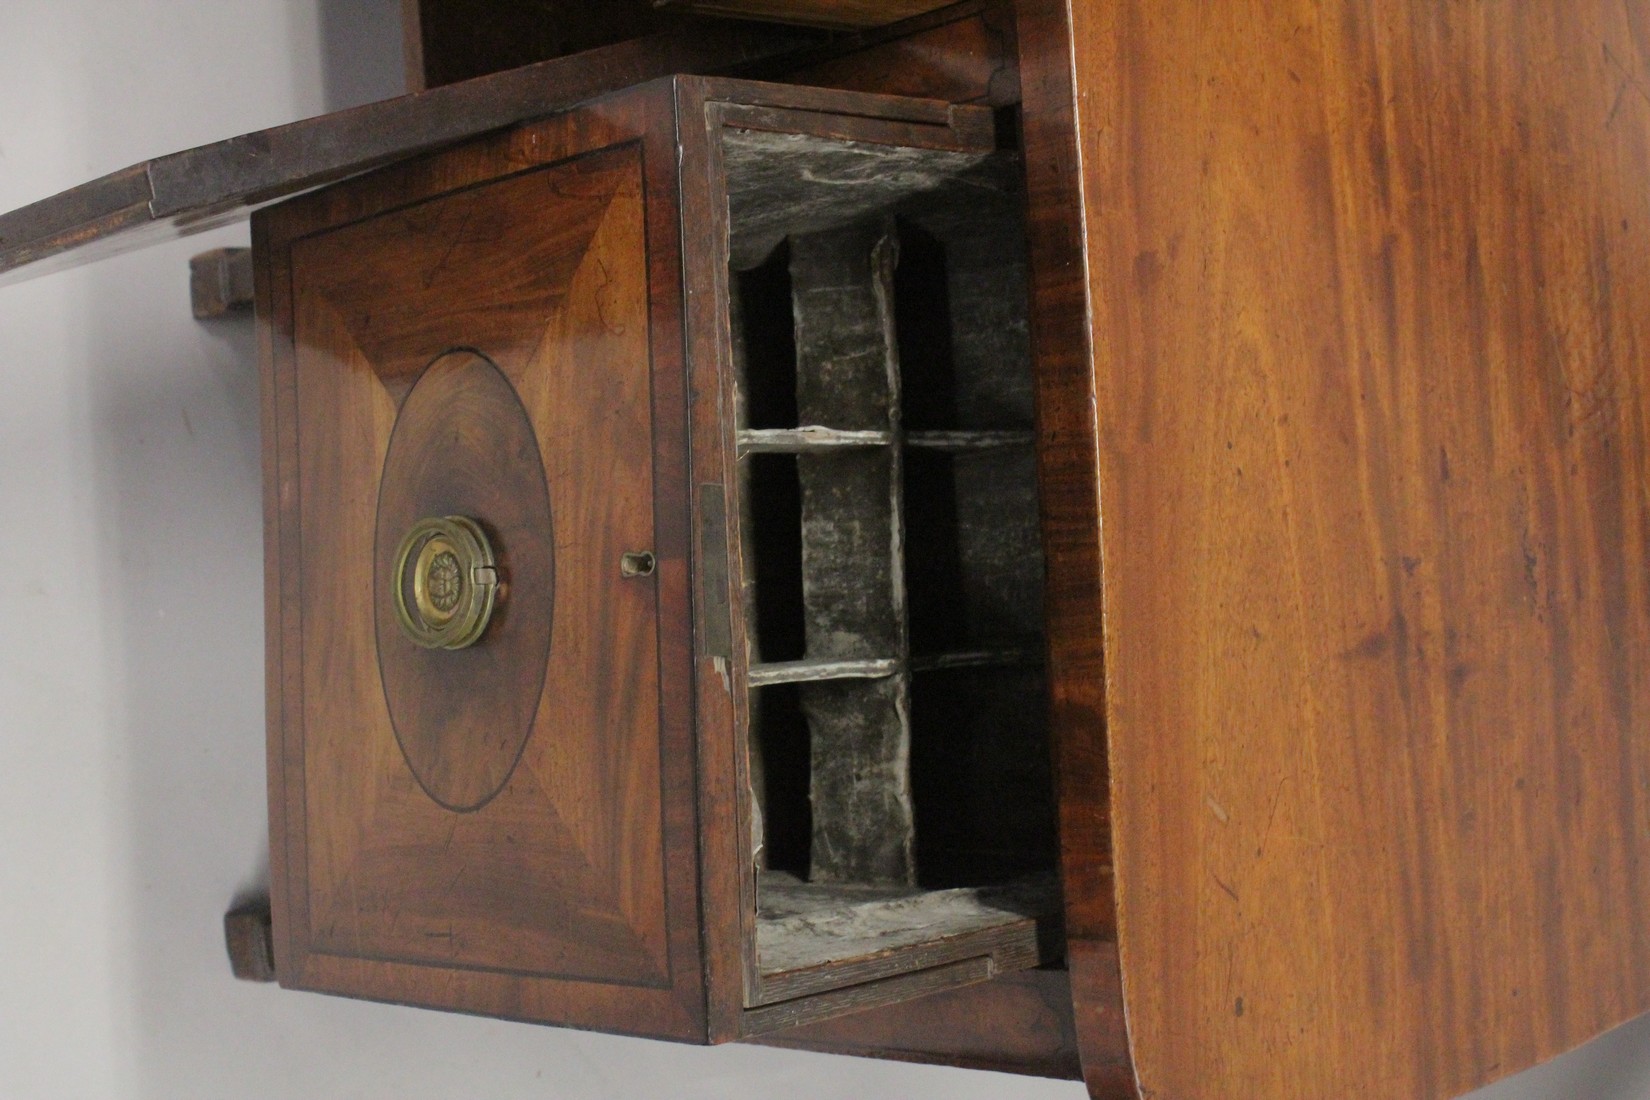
<point>220,282</point>
<point>251,943</point>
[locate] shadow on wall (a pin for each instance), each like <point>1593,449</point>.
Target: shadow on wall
<point>178,482</point>
<point>178,485</point>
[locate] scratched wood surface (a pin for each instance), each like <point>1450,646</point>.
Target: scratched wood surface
<point>1370,306</point>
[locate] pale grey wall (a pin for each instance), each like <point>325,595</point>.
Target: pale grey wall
<point>131,707</point>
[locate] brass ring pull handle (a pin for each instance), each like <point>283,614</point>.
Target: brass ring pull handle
<point>445,583</point>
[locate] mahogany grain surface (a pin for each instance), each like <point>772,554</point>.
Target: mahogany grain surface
<point>568,894</point>
<point>1370,303</point>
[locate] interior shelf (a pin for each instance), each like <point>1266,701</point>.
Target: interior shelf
<point>809,938</point>
<point>818,438</point>
<point>799,672</point>
<point>803,440</point>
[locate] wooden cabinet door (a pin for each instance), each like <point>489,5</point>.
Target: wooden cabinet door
<point>490,333</point>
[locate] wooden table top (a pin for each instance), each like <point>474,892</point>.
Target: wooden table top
<point>1370,292</point>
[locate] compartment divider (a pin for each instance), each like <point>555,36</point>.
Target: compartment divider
<point>852,556</point>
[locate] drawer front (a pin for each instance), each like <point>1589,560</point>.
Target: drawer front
<point>484,819</point>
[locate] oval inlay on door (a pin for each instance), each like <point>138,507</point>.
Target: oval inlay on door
<point>463,446</point>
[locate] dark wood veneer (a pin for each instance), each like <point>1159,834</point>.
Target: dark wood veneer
<point>1067,422</point>
<point>568,895</point>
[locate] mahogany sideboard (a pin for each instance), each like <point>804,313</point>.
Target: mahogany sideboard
<point>1330,319</point>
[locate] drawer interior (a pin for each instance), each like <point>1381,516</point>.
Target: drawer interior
<point>900,805</point>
